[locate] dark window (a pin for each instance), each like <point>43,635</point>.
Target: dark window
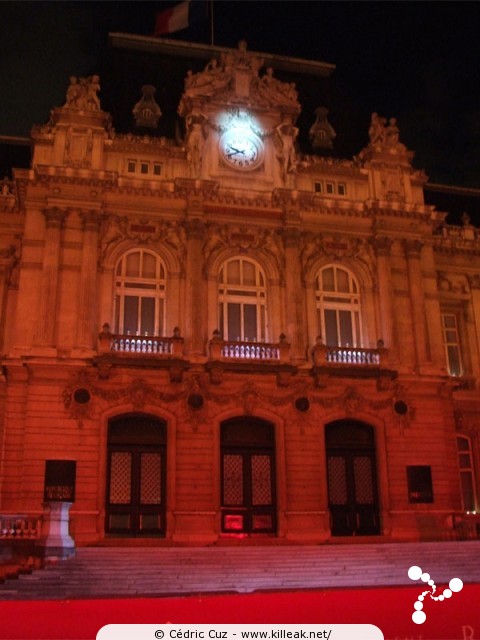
<point>420,488</point>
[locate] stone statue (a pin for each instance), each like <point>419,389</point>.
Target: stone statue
<point>376,131</point>
<point>392,133</point>
<point>286,135</point>
<point>275,91</point>
<point>82,93</point>
<point>73,93</point>
<point>194,141</point>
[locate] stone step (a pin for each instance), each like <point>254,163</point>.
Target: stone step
<point>109,571</point>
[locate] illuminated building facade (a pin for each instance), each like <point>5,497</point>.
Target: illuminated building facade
<point>221,337</point>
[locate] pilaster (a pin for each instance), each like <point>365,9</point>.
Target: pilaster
<point>87,298</point>
<point>413,250</point>
<point>45,334</point>
<point>383,247</point>
<point>196,318</point>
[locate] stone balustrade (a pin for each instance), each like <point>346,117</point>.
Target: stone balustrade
<point>140,345</point>
<point>324,356</point>
<point>244,350</point>
<point>16,527</point>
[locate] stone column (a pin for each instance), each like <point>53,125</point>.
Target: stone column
<point>195,318</point>
<point>294,295</point>
<point>383,247</point>
<point>88,289</point>
<point>413,250</point>
<point>47,308</point>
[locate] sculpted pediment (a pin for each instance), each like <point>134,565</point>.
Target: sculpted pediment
<point>235,78</point>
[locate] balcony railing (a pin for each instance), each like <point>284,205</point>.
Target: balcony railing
<point>246,351</point>
<point>19,527</point>
<point>347,356</point>
<point>140,345</point>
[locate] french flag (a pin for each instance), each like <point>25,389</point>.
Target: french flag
<point>174,19</point>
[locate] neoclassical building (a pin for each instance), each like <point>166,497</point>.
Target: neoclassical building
<point>220,337</point>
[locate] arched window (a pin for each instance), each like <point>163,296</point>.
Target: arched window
<point>338,307</point>
<point>140,294</point>
<point>467,473</point>
<point>242,301</point>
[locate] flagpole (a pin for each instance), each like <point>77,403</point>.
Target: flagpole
<point>211,23</point>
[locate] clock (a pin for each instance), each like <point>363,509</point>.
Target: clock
<point>241,150</point>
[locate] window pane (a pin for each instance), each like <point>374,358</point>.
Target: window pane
<point>463,444</point>
<point>468,493</point>
<point>449,321</point>
<point>133,264</point>
<point>149,266</point>
<point>220,319</point>
<point>249,273</point>
<point>148,316</point>
<point>234,327</point>
<point>327,278</point>
<point>250,321</point>
<point>233,272</point>
<point>130,315</point>
<point>464,461</point>
<point>331,336</point>
<point>342,281</point>
<point>160,330</point>
<point>454,366</point>
<point>346,334</point>
<point>232,479</point>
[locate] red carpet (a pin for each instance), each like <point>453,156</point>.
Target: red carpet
<point>390,609</point>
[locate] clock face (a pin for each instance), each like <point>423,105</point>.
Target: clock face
<point>241,150</point>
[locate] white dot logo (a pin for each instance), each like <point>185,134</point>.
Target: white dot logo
<point>415,573</point>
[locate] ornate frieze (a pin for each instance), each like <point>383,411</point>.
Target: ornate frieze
<point>336,247</point>
<point>268,241</point>
<point>142,231</point>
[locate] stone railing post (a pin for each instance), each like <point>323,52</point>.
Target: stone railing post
<point>319,353</point>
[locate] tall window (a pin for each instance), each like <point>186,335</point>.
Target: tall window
<point>338,307</point>
<point>140,294</point>
<point>242,301</point>
<point>467,473</point>
<point>452,344</point>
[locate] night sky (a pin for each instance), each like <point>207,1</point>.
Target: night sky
<point>417,61</point>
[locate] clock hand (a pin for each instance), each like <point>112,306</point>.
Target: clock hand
<point>234,153</point>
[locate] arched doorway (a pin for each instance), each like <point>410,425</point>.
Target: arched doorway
<point>136,476</point>
<point>248,476</point>
<point>352,478</point>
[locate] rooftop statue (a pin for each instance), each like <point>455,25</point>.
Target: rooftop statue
<point>384,136</point>
<point>82,94</point>
<point>275,91</point>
